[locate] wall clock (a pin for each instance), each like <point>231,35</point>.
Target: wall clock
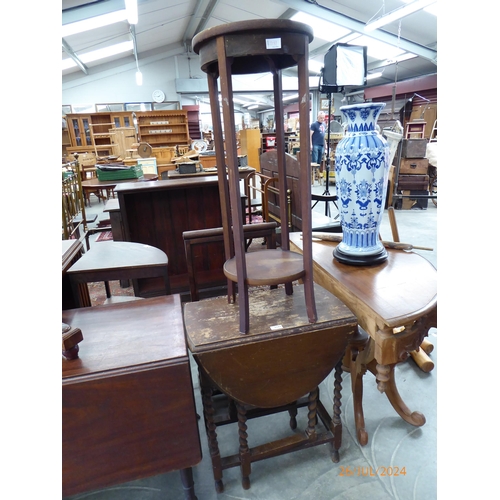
<point>158,96</point>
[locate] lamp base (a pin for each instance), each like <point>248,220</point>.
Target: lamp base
<point>360,260</point>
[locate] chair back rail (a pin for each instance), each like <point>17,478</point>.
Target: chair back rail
<point>269,167</point>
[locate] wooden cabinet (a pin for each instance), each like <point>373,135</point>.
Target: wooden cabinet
<point>163,128</point>
<point>94,132</point>
<point>193,113</point>
<point>79,132</point>
<point>250,142</point>
<point>97,132</point>
<point>269,139</point>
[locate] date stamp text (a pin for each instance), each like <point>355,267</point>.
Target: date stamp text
<point>372,471</point>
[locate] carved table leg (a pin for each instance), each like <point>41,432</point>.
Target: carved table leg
<point>392,348</point>
<point>357,368</point>
<point>385,374</point>
<point>188,483</point>
<point>213,446</point>
<point>244,451</point>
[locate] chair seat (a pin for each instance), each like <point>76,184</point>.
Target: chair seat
<point>88,218</point>
<point>119,299</point>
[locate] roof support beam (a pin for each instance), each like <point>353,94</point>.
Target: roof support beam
<point>347,22</point>
<point>75,58</point>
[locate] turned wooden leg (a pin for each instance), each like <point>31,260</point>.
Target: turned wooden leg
<point>386,380</point>
<point>312,418</point>
<point>336,421</point>
<point>293,418</point>
<point>244,451</point>
<point>213,445</point>
<point>188,483</point>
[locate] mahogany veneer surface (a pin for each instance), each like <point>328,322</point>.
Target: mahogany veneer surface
<point>128,405</point>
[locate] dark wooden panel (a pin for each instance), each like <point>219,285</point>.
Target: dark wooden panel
<point>127,403</point>
<point>158,214</point>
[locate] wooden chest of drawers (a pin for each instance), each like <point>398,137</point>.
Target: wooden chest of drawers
<point>414,166</point>
<point>420,182</point>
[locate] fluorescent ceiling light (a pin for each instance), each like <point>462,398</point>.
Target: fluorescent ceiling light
<point>371,76</point>
<point>349,38</point>
<point>253,106</point>
<point>378,49</point>
<point>402,57</point>
<point>95,55</point>
<point>431,9</point>
<point>93,23</point>
<point>132,14</point>
<point>314,66</point>
<point>322,29</point>
<point>288,97</point>
<point>138,78</point>
<point>399,13</point>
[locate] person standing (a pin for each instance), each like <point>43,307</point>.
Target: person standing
<point>318,138</point>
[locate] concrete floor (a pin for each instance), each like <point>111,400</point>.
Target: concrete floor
<point>310,474</point>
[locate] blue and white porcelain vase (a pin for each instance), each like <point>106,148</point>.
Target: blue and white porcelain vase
<point>361,172</point>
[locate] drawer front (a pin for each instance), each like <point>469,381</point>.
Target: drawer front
<point>414,166</point>
<point>413,182</point>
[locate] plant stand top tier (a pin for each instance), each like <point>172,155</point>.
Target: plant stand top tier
<point>249,47</point>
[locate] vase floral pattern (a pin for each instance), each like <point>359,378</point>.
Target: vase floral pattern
<point>361,172</point>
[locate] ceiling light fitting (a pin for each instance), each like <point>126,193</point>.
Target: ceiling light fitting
<point>93,23</point>
<point>131,9</point>
<point>399,13</point>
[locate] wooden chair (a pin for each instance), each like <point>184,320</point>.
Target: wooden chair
<point>269,168</point>
<point>254,183</point>
<point>74,219</point>
<point>194,240</point>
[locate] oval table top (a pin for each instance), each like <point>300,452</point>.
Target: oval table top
<point>401,289</point>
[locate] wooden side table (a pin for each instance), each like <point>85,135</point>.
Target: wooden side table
<point>282,358</point>
<point>245,47</point>
<point>127,401</point>
<point>395,303</point>
<point>119,260</point>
